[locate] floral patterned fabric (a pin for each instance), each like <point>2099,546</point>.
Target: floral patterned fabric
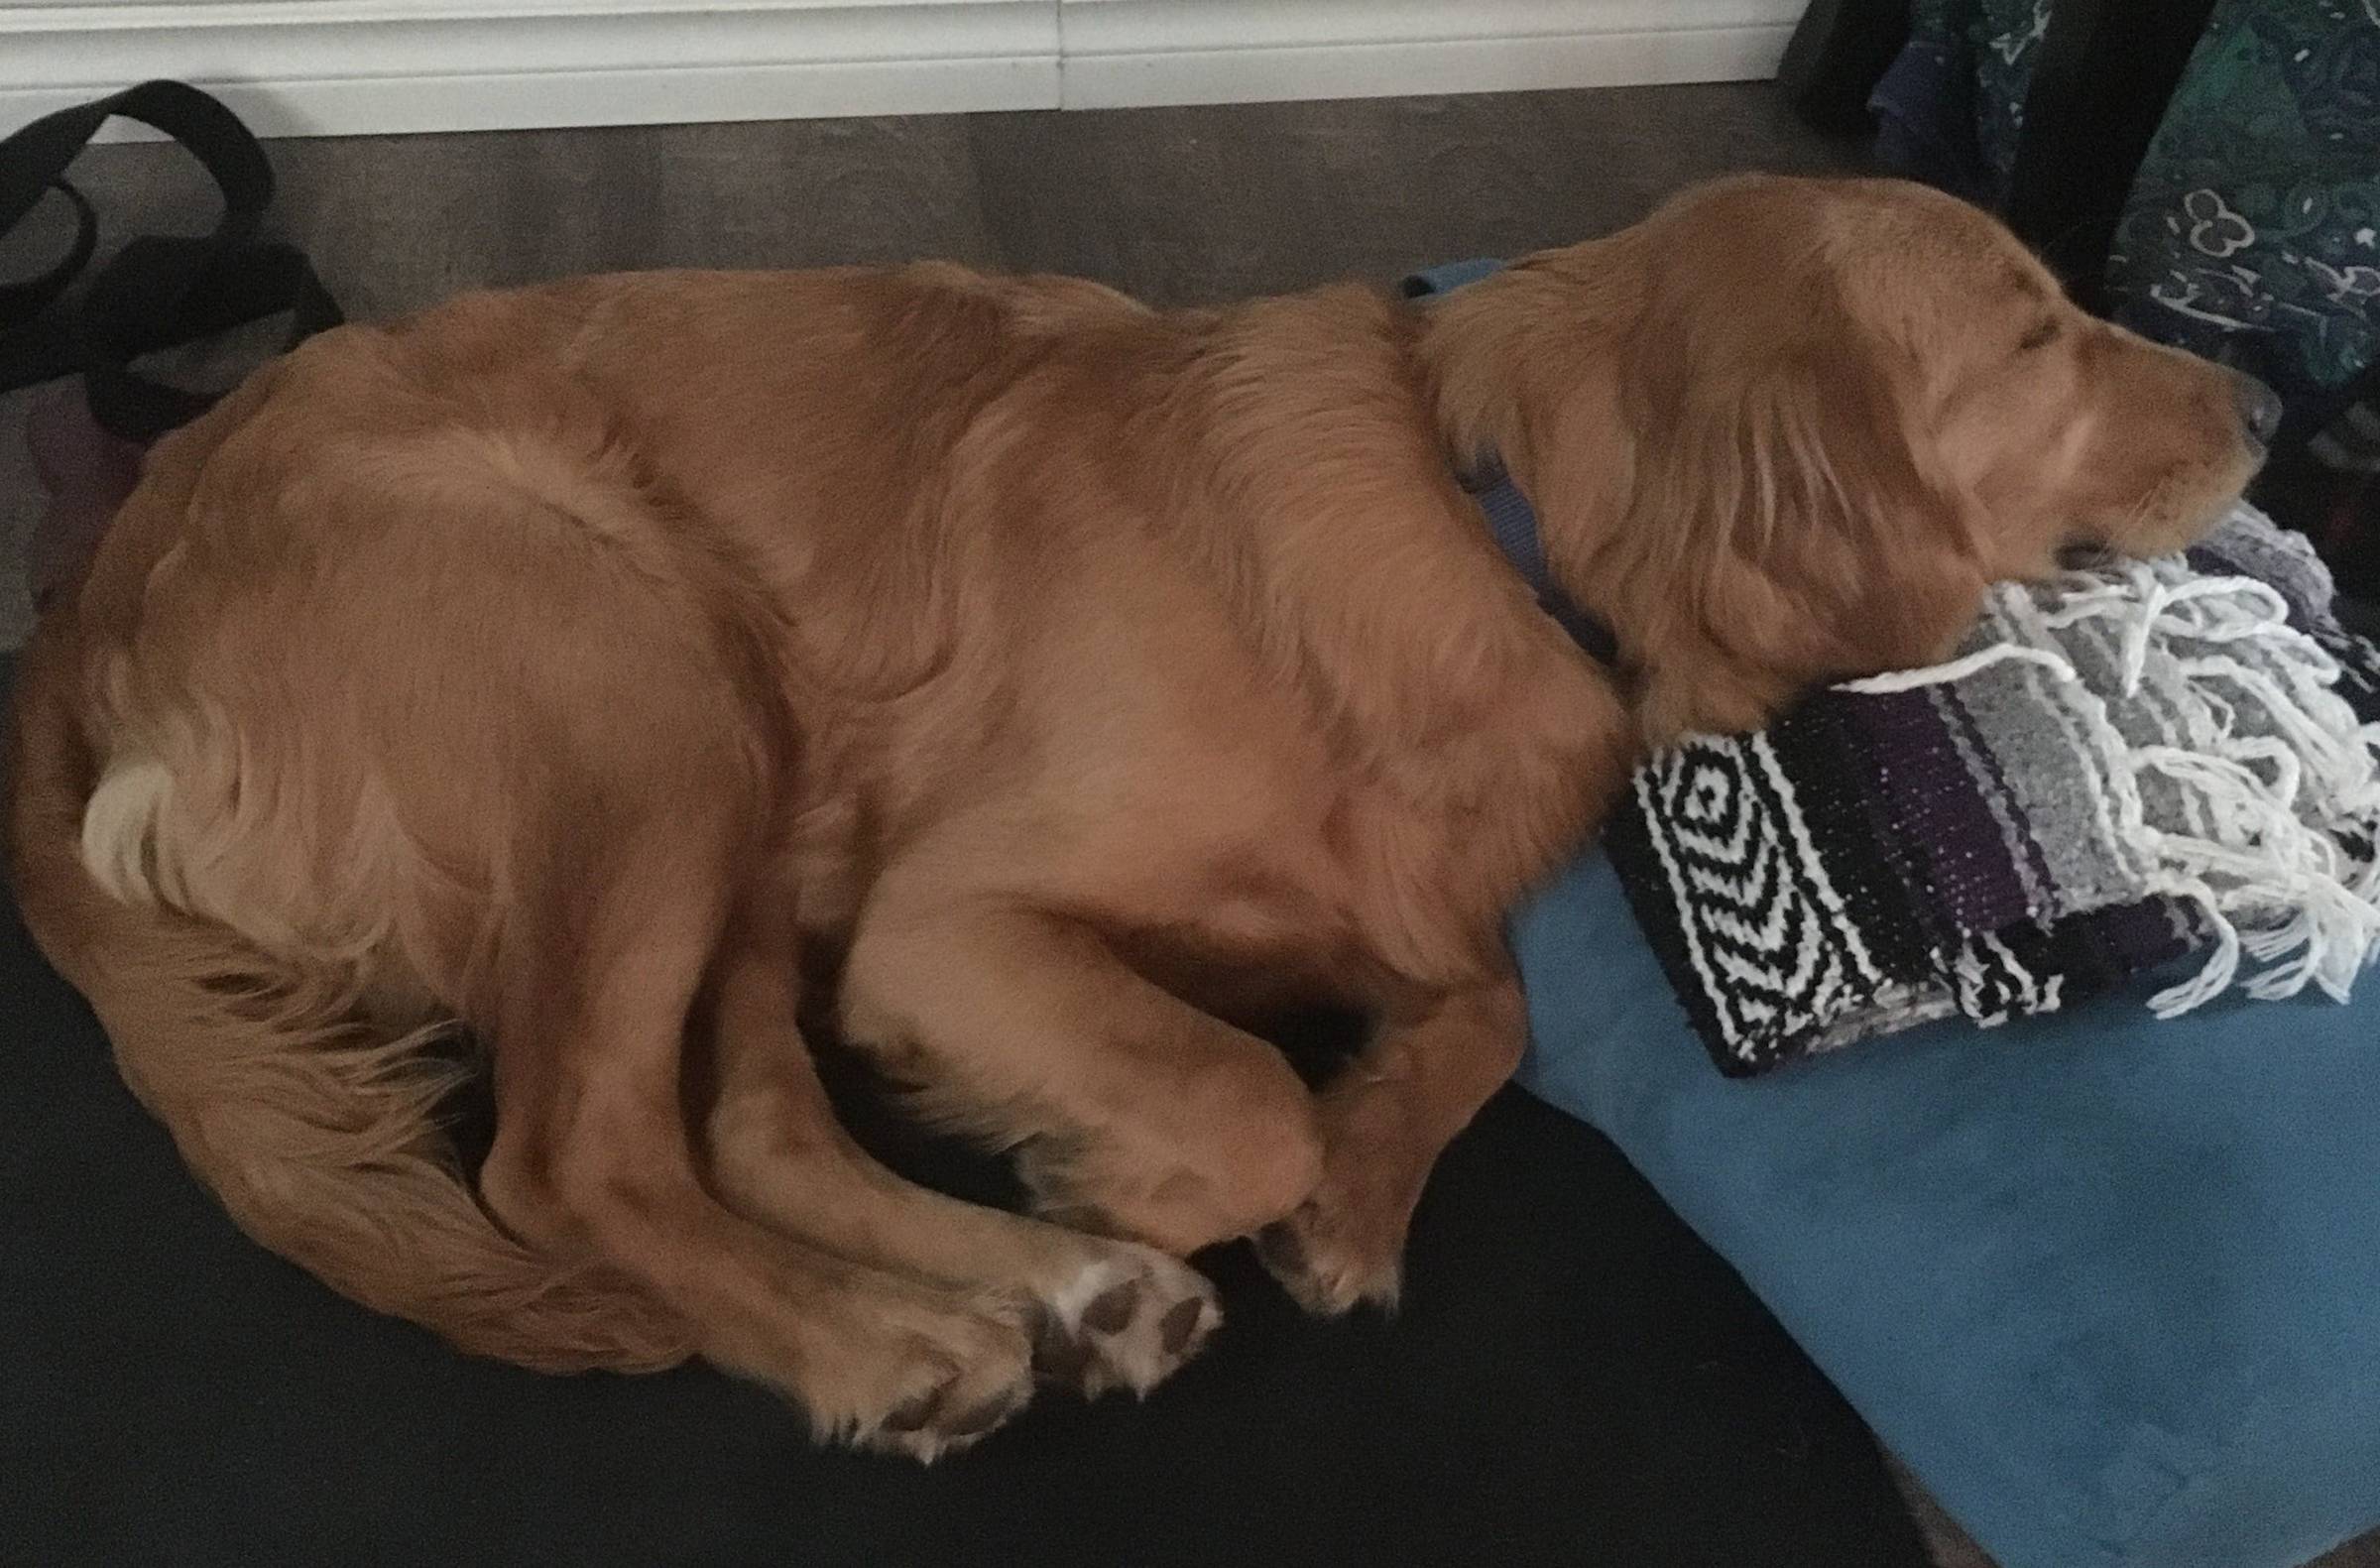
<point>1954,102</point>
<point>2253,233</point>
<point>2007,37</point>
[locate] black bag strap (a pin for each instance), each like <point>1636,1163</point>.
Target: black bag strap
<point>159,290</point>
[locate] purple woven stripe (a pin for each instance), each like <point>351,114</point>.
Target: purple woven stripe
<point>2138,936</point>
<point>1940,828</point>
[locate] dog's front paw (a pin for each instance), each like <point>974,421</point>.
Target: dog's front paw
<point>1344,1244</point>
<point>1332,1259</point>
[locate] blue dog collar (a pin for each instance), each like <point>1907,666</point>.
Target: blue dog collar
<point>1511,521</point>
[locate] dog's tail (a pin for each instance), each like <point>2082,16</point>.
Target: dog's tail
<point>319,1132</point>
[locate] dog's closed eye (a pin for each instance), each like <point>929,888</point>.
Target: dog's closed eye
<point>2041,337</point>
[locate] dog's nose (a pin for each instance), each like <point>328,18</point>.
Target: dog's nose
<point>2259,408</point>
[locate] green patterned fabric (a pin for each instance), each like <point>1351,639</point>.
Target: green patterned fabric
<point>1994,43</point>
<point>2006,35</point>
<point>2253,233</point>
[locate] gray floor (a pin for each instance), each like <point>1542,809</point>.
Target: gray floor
<point>1176,206</point>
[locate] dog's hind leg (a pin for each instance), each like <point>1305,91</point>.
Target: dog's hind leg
<point>600,966</point>
<point>1105,1313</point>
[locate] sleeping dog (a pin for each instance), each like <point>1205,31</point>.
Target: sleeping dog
<point>631,671</point>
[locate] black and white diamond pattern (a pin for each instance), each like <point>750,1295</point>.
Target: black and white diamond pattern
<point>1767,935</point>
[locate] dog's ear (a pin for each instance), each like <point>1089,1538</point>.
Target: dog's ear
<point>1789,523</point>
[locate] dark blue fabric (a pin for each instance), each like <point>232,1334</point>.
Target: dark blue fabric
<point>2110,1286</point>
<point>1924,107</point>
<point>1951,109</point>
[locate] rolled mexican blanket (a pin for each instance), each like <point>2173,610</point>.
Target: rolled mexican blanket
<point>2121,768</point>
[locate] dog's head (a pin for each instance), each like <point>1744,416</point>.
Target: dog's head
<point>1786,430</point>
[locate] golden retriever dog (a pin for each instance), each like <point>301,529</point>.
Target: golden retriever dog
<point>631,674</point>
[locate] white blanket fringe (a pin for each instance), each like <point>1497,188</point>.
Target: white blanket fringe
<point>2263,861</point>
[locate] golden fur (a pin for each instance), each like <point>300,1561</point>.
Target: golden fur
<point>633,670</point>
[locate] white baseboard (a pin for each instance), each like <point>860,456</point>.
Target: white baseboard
<point>326,67</point>
<point>335,68</point>
<point>1125,53</point>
